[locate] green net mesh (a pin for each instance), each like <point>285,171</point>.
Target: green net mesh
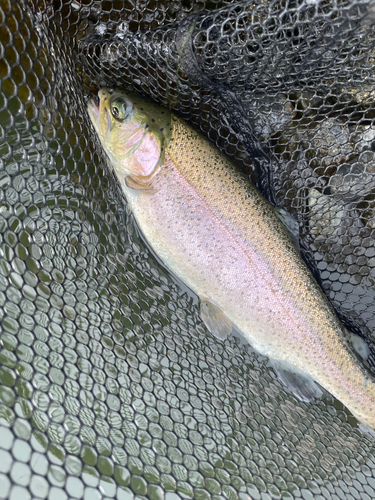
<point>110,385</point>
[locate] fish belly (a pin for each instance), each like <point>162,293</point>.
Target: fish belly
<point>219,236</point>
<point>240,259</point>
<point>194,242</point>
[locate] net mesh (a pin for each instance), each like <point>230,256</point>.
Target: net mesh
<point>110,385</point>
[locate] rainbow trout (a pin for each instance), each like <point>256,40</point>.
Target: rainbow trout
<point>216,232</point>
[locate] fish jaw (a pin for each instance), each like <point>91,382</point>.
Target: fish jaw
<point>101,120</point>
<point>94,110</point>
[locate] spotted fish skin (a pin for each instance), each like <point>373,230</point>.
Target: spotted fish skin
<point>217,233</point>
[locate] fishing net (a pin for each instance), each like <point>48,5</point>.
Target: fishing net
<point>110,385</point>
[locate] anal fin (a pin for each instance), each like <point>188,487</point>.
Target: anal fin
<point>367,431</point>
<point>215,320</point>
<point>302,386</point>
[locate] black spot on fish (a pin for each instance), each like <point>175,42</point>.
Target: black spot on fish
<point>162,130</point>
<point>153,120</point>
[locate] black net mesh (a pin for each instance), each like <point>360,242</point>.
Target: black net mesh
<point>110,385</point>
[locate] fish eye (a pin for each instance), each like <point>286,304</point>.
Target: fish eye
<point>121,108</point>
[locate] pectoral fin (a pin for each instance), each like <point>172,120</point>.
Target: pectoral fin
<point>359,345</point>
<point>215,320</point>
<point>302,386</point>
<point>139,183</point>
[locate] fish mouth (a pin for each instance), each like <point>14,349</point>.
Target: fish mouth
<point>94,111</point>
<point>93,107</point>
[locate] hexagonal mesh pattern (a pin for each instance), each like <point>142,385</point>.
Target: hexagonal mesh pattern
<point>110,385</point>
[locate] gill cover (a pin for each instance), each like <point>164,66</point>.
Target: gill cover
<point>137,132</point>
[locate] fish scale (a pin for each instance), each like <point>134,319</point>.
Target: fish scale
<point>215,232</point>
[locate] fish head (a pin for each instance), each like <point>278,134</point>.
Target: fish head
<point>133,131</point>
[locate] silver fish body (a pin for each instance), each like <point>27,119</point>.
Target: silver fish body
<point>215,232</point>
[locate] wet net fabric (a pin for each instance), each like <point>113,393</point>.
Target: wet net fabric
<point>110,385</point>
